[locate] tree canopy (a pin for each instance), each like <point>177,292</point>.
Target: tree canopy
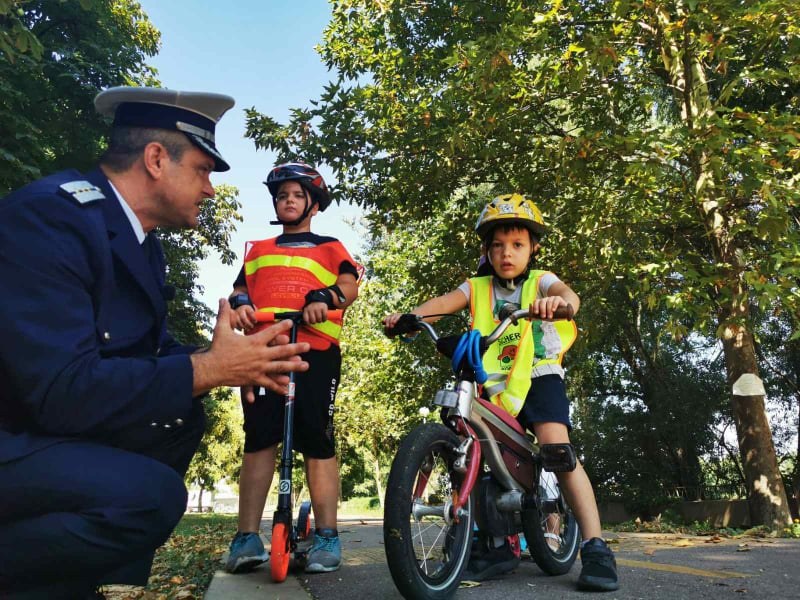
<point>660,138</point>
<point>55,57</point>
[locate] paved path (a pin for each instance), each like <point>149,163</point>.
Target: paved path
<point>651,566</point>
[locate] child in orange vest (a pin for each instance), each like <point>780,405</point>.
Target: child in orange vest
<point>298,270</point>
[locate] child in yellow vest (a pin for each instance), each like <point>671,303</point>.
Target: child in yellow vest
<point>524,365</point>
<point>298,270</point>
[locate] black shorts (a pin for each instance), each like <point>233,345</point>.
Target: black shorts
<point>315,392</point>
<point>546,402</point>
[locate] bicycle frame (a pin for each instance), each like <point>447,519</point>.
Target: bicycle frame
<point>510,453</point>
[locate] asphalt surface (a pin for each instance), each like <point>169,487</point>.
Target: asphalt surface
<point>651,566</point>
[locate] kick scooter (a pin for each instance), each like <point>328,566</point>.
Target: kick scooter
<point>285,534</point>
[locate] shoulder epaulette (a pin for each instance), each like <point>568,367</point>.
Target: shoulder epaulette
<point>81,191</point>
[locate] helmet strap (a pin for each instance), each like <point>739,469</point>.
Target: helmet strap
<point>294,223</point>
<point>509,284</point>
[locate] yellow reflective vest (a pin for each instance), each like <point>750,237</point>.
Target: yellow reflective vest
<point>526,350</point>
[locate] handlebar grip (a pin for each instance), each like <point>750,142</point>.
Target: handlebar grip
<point>407,323</point>
<point>562,312</point>
<point>271,317</point>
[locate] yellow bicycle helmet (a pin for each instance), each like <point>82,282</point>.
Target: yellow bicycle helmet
<point>511,209</point>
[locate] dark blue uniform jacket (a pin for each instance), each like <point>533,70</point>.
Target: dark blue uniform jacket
<point>84,350</point>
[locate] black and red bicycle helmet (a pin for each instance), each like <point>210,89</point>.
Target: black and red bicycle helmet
<point>305,175</point>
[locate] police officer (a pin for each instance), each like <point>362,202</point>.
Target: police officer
<point>99,409</point>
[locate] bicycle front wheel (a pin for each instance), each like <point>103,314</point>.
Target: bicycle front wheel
<point>551,529</point>
<point>427,547</point>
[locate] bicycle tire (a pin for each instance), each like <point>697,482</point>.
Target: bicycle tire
<point>426,554</point>
<point>553,516</point>
<point>279,554</point>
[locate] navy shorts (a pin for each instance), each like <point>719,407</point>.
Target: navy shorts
<point>315,392</point>
<point>546,402</point>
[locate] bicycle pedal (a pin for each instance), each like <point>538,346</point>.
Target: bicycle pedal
<point>558,458</point>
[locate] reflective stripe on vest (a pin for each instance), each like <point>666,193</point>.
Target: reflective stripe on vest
<point>525,350</point>
<point>326,277</point>
<point>278,279</point>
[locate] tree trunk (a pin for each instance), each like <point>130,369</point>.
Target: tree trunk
<point>376,473</point>
<point>200,500</point>
<point>687,76</point>
<point>766,494</point>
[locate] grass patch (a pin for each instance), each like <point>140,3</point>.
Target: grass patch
<point>362,505</point>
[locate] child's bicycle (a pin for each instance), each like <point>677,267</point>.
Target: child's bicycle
<point>286,535</point>
<point>477,466</point>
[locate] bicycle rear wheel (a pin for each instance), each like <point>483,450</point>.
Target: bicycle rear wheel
<point>551,529</point>
<point>426,547</point>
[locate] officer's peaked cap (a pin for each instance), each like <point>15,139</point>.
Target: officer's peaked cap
<point>194,113</point>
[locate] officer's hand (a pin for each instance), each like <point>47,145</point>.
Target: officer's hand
<point>316,312</point>
<point>261,359</point>
<point>248,393</point>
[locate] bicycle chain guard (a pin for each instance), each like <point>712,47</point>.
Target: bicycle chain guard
<point>488,518</point>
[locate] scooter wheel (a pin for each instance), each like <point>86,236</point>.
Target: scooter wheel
<point>304,521</point>
<point>279,556</point>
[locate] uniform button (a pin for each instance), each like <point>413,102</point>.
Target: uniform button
<point>153,424</point>
<point>167,426</point>
<point>179,422</point>
<point>106,336</point>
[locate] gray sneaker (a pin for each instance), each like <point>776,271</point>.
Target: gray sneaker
<point>326,553</point>
<point>246,553</point>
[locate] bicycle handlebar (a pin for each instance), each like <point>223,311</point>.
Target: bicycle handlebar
<point>294,315</point>
<point>409,323</point>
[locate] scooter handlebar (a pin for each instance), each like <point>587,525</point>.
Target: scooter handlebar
<point>271,317</point>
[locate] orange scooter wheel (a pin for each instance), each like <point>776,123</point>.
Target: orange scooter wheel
<point>304,521</point>
<point>279,556</point>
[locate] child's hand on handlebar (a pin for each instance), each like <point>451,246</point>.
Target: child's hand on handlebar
<point>243,318</point>
<point>315,312</point>
<point>545,308</point>
<point>389,321</point>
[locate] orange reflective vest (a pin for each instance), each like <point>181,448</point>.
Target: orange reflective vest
<point>279,277</point>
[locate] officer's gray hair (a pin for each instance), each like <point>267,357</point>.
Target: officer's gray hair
<point>126,145</point>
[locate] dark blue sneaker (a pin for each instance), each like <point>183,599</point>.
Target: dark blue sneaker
<point>599,571</point>
<point>246,553</point>
<point>326,553</point>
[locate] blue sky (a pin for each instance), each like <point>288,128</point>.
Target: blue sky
<point>261,52</point>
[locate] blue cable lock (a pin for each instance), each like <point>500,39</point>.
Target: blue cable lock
<point>469,347</point>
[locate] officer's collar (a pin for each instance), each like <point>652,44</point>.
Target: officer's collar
<point>136,224</point>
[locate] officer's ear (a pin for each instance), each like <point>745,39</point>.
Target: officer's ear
<point>154,157</point>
